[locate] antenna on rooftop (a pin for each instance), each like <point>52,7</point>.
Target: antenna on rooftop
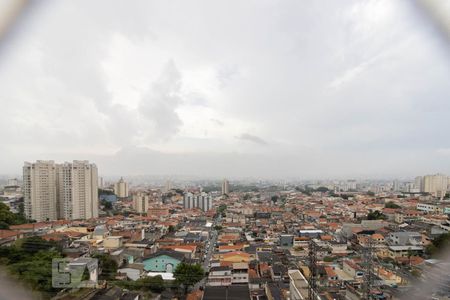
<point>368,269</point>
<point>312,269</point>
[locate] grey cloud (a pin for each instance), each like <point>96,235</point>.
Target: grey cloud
<point>160,103</point>
<point>225,74</point>
<point>195,99</point>
<point>247,63</point>
<point>314,163</point>
<point>252,138</point>
<point>217,122</point>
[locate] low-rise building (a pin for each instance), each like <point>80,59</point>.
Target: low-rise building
<point>163,261</point>
<point>240,273</point>
<point>220,276</point>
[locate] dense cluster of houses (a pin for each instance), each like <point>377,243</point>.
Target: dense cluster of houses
<point>259,246</point>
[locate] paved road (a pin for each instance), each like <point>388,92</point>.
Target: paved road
<point>212,242</point>
<point>207,260</point>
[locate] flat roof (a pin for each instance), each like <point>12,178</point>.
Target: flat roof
<point>232,292</point>
<point>165,276</point>
<point>299,282</point>
<point>400,248</point>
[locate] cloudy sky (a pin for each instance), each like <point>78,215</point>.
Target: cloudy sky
<point>307,89</point>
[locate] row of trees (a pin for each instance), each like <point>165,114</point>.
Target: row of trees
<point>308,190</point>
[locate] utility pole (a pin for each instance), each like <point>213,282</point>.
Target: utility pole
<point>368,269</point>
<point>312,269</point>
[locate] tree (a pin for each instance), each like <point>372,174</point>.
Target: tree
<point>221,210</point>
<point>188,275</point>
<point>107,265</point>
<point>410,253</point>
<point>36,270</point>
<point>431,249</point>
<point>391,204</point>
<point>154,283</point>
<point>106,204</point>
<point>105,192</point>
<point>376,215</point>
<point>274,199</point>
<point>322,189</point>
<point>438,244</point>
<point>4,225</point>
<point>30,260</point>
<point>370,193</point>
<point>35,244</point>
<point>7,217</point>
<point>209,188</point>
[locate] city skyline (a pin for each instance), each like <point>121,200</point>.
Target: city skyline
<point>164,178</point>
<point>361,94</point>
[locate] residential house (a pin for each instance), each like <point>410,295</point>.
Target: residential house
<point>220,276</point>
<point>352,269</point>
<point>235,256</point>
<point>163,261</point>
<point>404,238</point>
<point>240,272</point>
<point>113,242</point>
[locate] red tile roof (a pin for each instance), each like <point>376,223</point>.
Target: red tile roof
<point>4,233</point>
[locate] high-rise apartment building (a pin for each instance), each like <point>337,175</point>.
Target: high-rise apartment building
<point>189,201</point>
<point>225,187</point>
<point>13,182</point>
<point>418,183</point>
<point>77,190</point>
<point>39,190</point>
<point>203,201</point>
<point>121,188</point>
<point>436,185</point>
<point>60,191</point>
<point>396,185</point>
<point>168,186</point>
<point>141,202</point>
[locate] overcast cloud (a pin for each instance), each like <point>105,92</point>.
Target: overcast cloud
<point>307,89</point>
